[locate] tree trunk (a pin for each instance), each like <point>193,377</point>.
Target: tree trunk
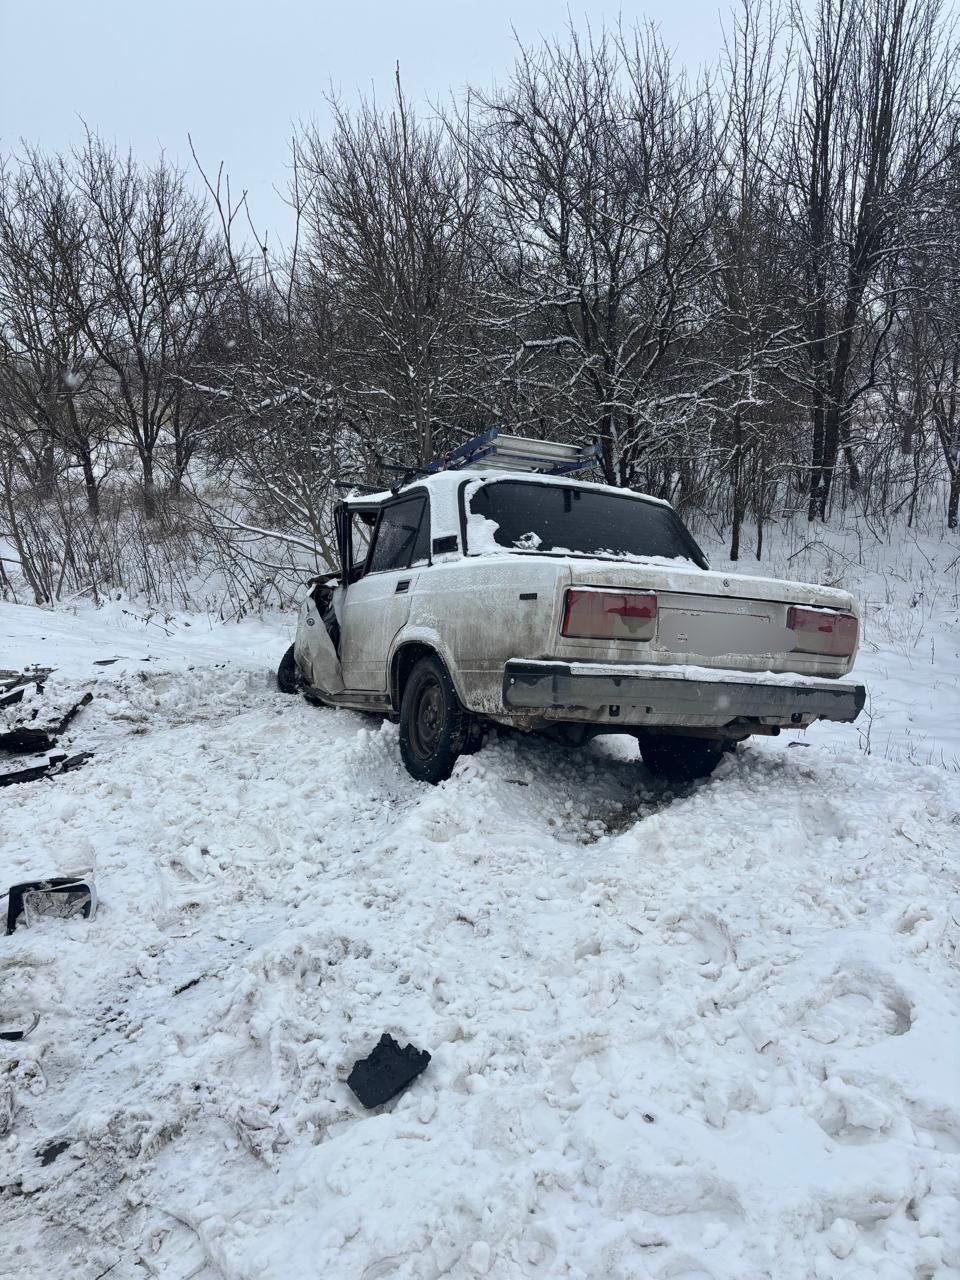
<point>736,477</point>
<point>47,471</point>
<point>150,503</point>
<point>90,482</point>
<point>79,443</point>
<point>816,505</point>
<point>606,457</point>
<point>175,487</point>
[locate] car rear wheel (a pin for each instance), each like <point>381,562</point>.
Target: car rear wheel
<point>289,679</point>
<point>434,724</point>
<point>679,758</point>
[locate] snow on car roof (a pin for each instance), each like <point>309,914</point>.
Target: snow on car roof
<point>444,483</point>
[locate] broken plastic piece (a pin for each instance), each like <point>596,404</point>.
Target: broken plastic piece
<point>23,1032</point>
<point>50,1152</point>
<point>386,1072</point>
<point>23,739</point>
<point>60,896</point>
<point>56,762</point>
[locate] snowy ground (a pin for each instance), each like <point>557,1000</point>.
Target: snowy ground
<point>705,1035</point>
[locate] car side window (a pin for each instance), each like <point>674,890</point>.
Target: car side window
<point>403,536</point>
<point>421,546</point>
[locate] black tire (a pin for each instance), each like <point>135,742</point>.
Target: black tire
<point>434,724</point>
<point>678,758</point>
<point>289,679</point>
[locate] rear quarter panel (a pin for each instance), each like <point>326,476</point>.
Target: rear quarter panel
<point>479,613</point>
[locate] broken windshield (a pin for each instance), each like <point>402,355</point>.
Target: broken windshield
<point>564,519</point>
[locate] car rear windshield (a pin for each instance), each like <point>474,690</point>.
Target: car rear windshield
<point>563,519</point>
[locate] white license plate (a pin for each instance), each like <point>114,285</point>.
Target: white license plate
<point>711,635</point>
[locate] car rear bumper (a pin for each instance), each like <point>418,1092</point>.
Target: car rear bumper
<point>681,697</point>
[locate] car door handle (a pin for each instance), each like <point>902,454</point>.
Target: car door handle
<point>402,585</point>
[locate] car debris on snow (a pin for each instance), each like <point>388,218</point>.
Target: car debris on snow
<point>13,684</point>
<point>50,766</point>
<point>21,1033</point>
<point>29,727</point>
<point>48,1154</point>
<point>386,1071</point>
<point>63,897</point>
<point>25,738</point>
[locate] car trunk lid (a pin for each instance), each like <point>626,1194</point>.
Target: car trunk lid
<point>709,618</point>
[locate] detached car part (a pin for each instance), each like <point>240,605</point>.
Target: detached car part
<point>386,1071</point>
<point>58,897</point>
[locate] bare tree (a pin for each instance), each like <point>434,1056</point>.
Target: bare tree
<point>283,438</point>
<point>48,369</point>
<point>755,332</point>
<point>925,375</point>
<point>390,220</point>
<point>599,159</point>
<point>874,90</point>
<point>156,281</point>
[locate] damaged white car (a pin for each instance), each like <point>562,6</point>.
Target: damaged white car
<point>496,589</point>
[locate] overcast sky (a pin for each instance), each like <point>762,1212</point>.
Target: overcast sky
<point>238,75</point>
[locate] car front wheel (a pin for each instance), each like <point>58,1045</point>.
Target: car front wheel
<point>680,758</point>
<point>434,724</point>
<point>289,679</point>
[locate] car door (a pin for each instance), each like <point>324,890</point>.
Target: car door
<point>376,605</point>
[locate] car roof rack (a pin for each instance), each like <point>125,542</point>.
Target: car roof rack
<point>492,450</point>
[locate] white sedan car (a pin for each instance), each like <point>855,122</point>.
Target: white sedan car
<point>553,605</point>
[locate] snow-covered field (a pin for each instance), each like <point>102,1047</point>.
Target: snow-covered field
<point>704,1035</point>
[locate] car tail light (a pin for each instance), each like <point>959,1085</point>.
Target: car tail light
<point>823,631</point>
<point>610,615</point>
